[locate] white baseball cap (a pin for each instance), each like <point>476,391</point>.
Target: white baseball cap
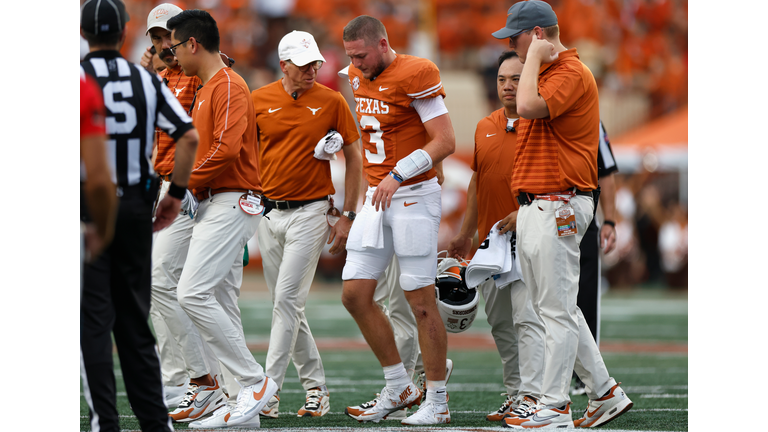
<point>300,48</point>
<point>160,15</point>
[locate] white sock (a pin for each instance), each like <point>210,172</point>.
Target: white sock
<point>436,392</point>
<point>396,376</point>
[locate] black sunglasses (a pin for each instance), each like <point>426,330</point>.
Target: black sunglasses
<point>173,48</point>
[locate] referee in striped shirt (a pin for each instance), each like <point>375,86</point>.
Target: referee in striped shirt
<point>116,286</point>
<point>594,239</point>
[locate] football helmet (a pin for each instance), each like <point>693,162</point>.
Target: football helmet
<point>456,302</point>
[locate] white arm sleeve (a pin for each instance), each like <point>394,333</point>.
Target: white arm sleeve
<point>429,108</point>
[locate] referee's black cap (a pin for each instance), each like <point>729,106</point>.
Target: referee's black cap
<point>103,17</point>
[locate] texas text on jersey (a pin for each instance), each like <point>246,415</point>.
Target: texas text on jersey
<point>383,106</point>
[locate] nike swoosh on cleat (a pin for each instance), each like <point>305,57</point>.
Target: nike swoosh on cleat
<point>591,413</point>
<point>260,394</point>
<point>536,417</point>
<point>203,402</point>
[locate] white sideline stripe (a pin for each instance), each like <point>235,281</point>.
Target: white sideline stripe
<point>664,396</point>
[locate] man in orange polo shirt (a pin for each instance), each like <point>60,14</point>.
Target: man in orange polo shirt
<point>489,200</point>
<point>293,115</point>
<point>225,178</point>
<point>188,367</point>
<point>555,174</point>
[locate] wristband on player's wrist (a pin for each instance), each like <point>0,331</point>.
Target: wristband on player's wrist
<point>609,222</point>
<point>176,191</point>
<point>396,176</point>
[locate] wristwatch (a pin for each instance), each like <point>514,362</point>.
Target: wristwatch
<point>349,214</point>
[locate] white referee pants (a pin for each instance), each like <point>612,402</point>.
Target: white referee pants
<point>512,319</point>
<point>210,282</point>
<point>290,242</point>
<point>389,292</point>
<point>183,354</point>
<point>550,266</point>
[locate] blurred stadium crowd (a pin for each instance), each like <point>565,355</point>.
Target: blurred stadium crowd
<point>633,47</point>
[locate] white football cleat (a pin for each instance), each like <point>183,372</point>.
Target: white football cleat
<point>429,413</point>
<point>251,400</point>
<point>390,401</point>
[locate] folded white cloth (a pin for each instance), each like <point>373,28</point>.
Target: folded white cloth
<point>328,145</point>
<point>189,205</point>
<point>373,234</point>
<point>494,259</point>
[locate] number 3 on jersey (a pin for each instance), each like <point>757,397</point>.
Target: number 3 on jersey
<point>379,156</point>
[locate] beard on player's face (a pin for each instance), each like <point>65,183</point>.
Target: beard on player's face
<point>377,69</point>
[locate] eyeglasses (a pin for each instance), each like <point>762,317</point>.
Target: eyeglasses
<point>173,48</point>
<point>316,65</point>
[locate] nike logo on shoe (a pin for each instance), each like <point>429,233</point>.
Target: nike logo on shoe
<point>202,403</point>
<point>271,110</point>
<point>536,417</point>
<point>407,392</point>
<point>260,394</point>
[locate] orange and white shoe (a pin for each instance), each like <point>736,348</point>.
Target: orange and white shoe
<point>507,407</point>
<point>251,400</point>
<point>317,405</point>
<point>199,401</point>
<point>271,408</point>
<point>356,410</point>
<point>545,417</point>
<point>429,413</point>
<point>389,401</point>
<point>605,409</point>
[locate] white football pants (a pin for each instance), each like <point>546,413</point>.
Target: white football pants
<point>290,242</point>
<point>183,354</point>
<point>210,282</point>
<point>550,266</point>
<point>512,319</point>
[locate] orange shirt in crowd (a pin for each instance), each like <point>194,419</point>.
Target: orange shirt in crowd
<point>288,132</point>
<point>226,155</point>
<point>391,128</point>
<point>559,152</point>
<point>494,152</point>
<point>183,87</point>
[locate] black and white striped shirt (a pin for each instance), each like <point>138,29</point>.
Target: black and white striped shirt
<point>136,102</point>
<point>606,163</point>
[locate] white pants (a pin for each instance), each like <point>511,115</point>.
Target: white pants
<point>400,316</point>
<point>183,354</point>
<point>290,242</point>
<point>550,266</point>
<point>512,319</point>
<point>210,282</point>
<point>408,229</point>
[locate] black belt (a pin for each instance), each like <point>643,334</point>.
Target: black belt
<point>286,205</point>
<point>526,198</point>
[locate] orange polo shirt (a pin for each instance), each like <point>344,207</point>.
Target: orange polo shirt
<point>494,154</point>
<point>183,87</point>
<point>226,154</point>
<point>559,152</point>
<point>288,132</point>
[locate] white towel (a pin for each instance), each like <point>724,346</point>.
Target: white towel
<point>328,145</point>
<point>494,259</point>
<point>373,232</point>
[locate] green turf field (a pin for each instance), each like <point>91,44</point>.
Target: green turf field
<point>657,382</point>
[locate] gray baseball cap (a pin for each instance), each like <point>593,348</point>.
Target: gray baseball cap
<point>526,15</point>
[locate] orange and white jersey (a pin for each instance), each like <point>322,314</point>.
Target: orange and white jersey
<point>391,128</point>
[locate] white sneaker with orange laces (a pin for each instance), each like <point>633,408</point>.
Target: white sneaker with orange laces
<point>199,401</point>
